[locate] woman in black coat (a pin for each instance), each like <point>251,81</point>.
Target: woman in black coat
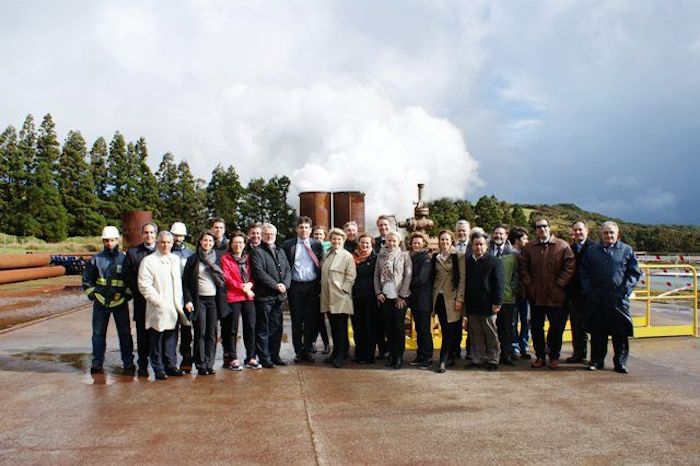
<point>420,301</point>
<point>204,292</point>
<point>364,301</point>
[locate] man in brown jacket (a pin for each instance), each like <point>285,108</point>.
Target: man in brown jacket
<point>547,265</point>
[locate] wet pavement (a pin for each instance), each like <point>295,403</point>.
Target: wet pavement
<point>55,412</point>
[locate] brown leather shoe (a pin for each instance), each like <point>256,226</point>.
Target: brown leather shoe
<point>553,363</point>
<point>538,363</point>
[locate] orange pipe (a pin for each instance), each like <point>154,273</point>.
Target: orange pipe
<point>23,261</point>
<point>21,275</point>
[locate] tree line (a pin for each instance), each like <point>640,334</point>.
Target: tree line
<point>52,192</point>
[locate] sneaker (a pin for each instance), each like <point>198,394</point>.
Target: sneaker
<point>415,362</point>
<point>253,364</point>
<point>235,365</point>
<point>425,365</point>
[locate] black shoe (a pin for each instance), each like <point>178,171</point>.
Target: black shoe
<point>330,359</point>
<point>491,367</point>
<point>338,364</point>
<point>297,358</point>
<point>211,371</point>
<point>278,362</point>
<point>416,362</point>
<point>186,367</point>
<point>306,357</point>
<point>129,370</point>
<point>142,372</point>
<point>267,365</point>
<point>389,361</point>
<point>425,365</point>
<point>96,370</point>
<point>595,366</point>
<point>399,363</point>
<point>161,375</point>
<point>622,369</point>
<point>174,371</point>
<point>326,348</point>
<point>450,362</point>
<point>576,359</point>
<point>524,355</point>
<point>472,365</point>
<point>313,348</point>
<point>507,361</point>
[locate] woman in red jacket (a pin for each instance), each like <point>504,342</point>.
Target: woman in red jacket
<point>239,294</point>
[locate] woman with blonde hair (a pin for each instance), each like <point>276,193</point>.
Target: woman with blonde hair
<point>337,279</point>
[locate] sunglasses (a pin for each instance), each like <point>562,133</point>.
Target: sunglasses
<point>541,227</point>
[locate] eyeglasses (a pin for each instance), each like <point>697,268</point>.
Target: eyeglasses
<point>541,227</point>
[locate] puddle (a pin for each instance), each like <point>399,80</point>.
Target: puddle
<point>79,361</point>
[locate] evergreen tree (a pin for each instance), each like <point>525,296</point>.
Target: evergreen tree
<point>78,189</point>
<point>48,150</point>
<point>98,167</point>
<point>166,177</point>
<point>519,216</point>
<point>8,153</point>
<point>488,212</point>
<point>507,218</point>
<point>117,196</point>
<point>225,195</point>
<point>466,211</point>
<point>192,200</point>
<point>21,166</point>
<point>43,199</point>
<point>281,214</point>
<point>147,186</point>
<point>445,213</point>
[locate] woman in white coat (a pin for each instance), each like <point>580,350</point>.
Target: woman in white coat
<point>160,282</point>
<point>337,278</point>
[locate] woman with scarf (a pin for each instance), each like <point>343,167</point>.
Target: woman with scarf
<point>392,279</point>
<point>239,296</point>
<point>205,293</point>
<point>337,278</point>
<point>448,294</point>
<point>364,300</point>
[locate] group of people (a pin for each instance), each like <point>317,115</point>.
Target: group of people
<point>494,285</point>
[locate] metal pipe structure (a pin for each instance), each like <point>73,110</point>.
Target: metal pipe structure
<point>21,275</point>
<point>317,206</point>
<point>23,261</point>
<point>349,205</point>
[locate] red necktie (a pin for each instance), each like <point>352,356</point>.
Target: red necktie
<point>311,254</point>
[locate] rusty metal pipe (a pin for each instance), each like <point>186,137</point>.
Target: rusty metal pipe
<point>317,206</point>
<point>21,275</point>
<point>23,261</point>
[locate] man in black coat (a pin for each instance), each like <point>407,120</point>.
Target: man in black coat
<point>272,277</point>
<point>609,272</point>
<point>304,255</point>
<point>218,229</point>
<point>575,305</point>
<point>134,256</point>
<point>483,297</point>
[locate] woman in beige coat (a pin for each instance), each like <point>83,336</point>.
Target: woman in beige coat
<point>448,294</point>
<point>392,282</point>
<point>337,278</point>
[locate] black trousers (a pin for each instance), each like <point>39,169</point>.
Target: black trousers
<point>557,322</point>
<point>229,330</point>
<point>599,348</point>
<point>268,330</point>
<point>322,330</point>
<point>576,307</point>
<point>451,331</point>
<point>162,349</point>
<point>381,335</point>
<point>339,332</point>
<point>421,319</point>
<point>364,328</point>
<point>204,322</point>
<point>305,311</point>
<point>504,323</point>
<point>394,323</point>
<point>186,344</point>
<point>142,335</point>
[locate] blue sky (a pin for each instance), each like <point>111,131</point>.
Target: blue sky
<point>593,103</point>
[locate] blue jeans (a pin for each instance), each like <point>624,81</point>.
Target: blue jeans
<point>521,338</point>
<point>100,320</point>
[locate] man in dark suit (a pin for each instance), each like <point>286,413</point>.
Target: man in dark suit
<point>134,256</point>
<point>575,304</point>
<point>304,255</point>
<point>272,276</point>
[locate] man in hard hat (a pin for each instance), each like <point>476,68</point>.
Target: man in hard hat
<point>104,285</point>
<point>179,232</point>
<point>134,256</point>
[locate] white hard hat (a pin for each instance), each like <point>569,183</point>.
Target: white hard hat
<point>109,232</point>
<point>178,228</point>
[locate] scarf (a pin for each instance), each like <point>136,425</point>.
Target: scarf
<point>242,262</point>
<point>387,272</point>
<point>359,257</point>
<point>209,261</point>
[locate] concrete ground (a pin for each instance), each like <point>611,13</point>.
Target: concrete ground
<point>55,412</point>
